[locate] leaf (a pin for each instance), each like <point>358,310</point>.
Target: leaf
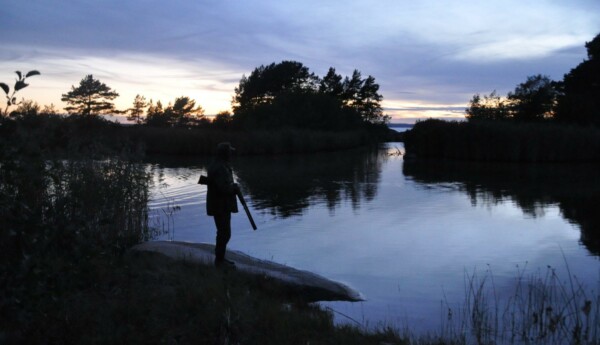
<point>19,74</point>
<point>14,100</point>
<point>5,88</point>
<point>20,85</point>
<point>32,73</point>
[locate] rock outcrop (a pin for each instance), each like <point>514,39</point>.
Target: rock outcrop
<point>313,286</point>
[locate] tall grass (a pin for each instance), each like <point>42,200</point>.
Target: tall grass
<point>58,220</point>
<point>503,141</point>
<point>542,309</point>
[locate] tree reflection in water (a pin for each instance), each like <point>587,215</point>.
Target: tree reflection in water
<point>286,185</point>
<point>575,189</point>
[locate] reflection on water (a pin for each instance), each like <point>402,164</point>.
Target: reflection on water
<point>287,185</point>
<point>575,189</point>
<point>402,233</point>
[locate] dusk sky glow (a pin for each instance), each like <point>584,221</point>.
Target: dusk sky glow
<point>429,57</point>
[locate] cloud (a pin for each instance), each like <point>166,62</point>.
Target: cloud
<point>425,51</point>
<point>519,48</point>
<point>430,108</point>
<point>159,78</point>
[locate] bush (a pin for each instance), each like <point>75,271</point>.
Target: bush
<point>59,217</point>
<point>503,141</point>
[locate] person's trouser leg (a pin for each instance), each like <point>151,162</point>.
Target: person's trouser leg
<point>223,223</point>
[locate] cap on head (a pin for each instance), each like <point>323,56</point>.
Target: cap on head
<point>224,149</point>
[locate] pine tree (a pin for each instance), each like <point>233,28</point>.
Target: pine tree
<point>91,97</point>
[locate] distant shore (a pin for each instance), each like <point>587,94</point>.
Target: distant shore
<point>400,127</point>
<point>58,133</point>
<point>503,141</point>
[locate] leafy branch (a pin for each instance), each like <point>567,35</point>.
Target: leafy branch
<point>11,99</point>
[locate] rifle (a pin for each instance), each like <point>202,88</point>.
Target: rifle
<point>243,202</point>
<point>204,180</point>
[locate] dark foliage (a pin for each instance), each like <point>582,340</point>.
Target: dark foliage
<point>137,110</point>
<point>182,113</point>
<point>579,97</point>
<point>490,107</point>
<point>91,97</point>
<point>202,141</point>
<point>267,83</point>
<point>300,110</point>
<point>64,204</point>
<point>94,136</point>
<point>289,95</point>
<point>20,84</point>
<point>505,141</point>
<point>222,120</point>
<point>533,100</point>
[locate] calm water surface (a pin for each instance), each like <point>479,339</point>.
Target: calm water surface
<point>405,234</point>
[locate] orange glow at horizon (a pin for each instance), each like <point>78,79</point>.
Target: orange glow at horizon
<point>158,79</point>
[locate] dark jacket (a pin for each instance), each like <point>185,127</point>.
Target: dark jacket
<point>221,191</point>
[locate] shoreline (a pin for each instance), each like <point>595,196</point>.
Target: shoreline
<point>312,287</point>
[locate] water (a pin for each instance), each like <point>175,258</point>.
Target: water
<point>400,127</point>
<point>405,234</point>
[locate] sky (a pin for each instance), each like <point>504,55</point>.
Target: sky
<point>429,57</point>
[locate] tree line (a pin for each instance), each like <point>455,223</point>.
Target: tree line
<point>575,99</point>
<point>93,97</point>
<point>278,95</point>
<point>287,94</point>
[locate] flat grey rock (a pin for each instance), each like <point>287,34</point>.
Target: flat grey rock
<point>313,286</point>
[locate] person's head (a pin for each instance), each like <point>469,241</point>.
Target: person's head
<point>224,151</point>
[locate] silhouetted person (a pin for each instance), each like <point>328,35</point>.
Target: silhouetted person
<point>221,199</point>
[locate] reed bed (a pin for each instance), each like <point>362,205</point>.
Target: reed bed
<point>542,309</point>
<point>62,222</point>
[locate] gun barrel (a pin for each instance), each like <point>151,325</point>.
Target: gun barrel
<point>243,202</point>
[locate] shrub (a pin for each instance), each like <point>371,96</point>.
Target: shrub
<point>503,141</point>
<point>58,217</point>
